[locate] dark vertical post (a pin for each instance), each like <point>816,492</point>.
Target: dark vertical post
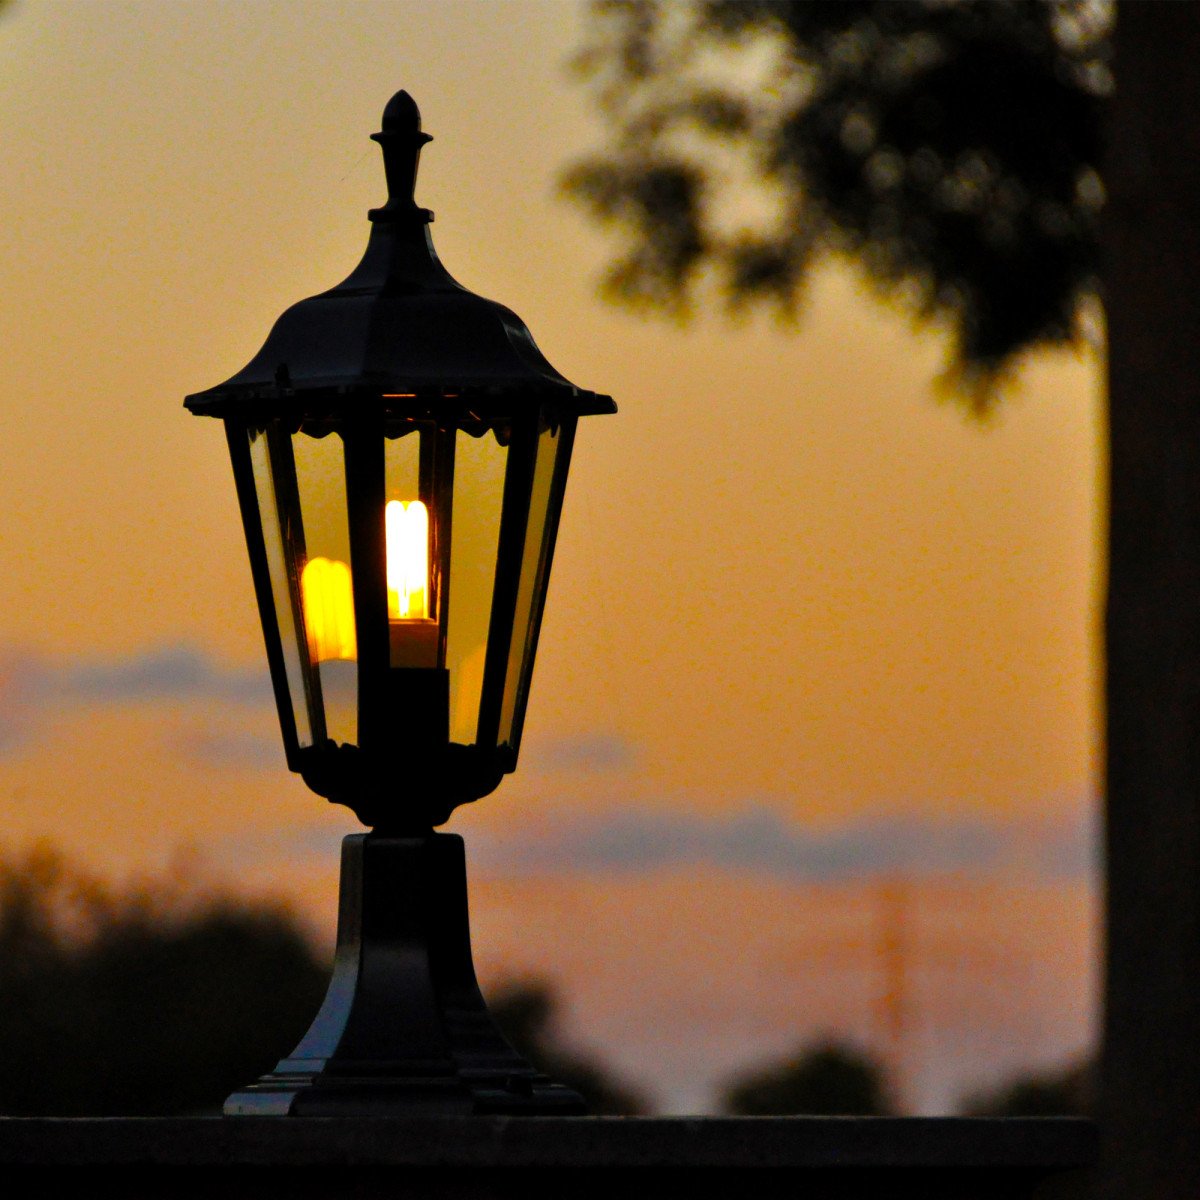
<point>365,499</point>
<point>403,1029</point>
<point>1151,1070</point>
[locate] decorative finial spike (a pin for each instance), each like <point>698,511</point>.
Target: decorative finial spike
<point>401,139</point>
<point>402,114</point>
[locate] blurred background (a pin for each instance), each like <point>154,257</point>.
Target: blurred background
<point>857,812</point>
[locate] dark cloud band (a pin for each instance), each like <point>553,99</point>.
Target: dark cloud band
<point>35,687</point>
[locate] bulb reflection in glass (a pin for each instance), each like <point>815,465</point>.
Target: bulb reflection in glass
<point>328,597</point>
<point>328,600</point>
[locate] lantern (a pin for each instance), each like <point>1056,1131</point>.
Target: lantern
<point>400,449</point>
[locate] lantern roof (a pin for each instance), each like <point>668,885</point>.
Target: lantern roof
<point>398,328</point>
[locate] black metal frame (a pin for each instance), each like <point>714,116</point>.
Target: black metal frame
<point>247,493</point>
<point>403,711</point>
<point>403,1028</point>
<point>558,487</point>
<point>514,517</point>
<point>400,340</point>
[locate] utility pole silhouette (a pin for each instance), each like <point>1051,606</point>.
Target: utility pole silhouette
<point>896,954</point>
<point>891,1007</point>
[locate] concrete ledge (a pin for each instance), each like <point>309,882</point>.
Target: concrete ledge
<point>816,1157</point>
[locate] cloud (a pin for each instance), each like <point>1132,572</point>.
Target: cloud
<point>1070,847</point>
<point>236,750</point>
<point>35,688</point>
<point>308,843</point>
<point>167,673</point>
<point>760,841</point>
<point>755,841</point>
<point>22,692</point>
<point>590,753</point>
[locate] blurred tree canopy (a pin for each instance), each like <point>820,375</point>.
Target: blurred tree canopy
<point>525,1012</point>
<point>949,147</point>
<point>154,1000</point>
<point>162,998</point>
<point>827,1079</point>
<point>1068,1091</point>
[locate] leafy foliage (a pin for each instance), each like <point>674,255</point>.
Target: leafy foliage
<point>949,146</point>
<point>152,1001</point>
<point>525,1012</point>
<point>1069,1091</point>
<point>162,998</point>
<point>825,1080</point>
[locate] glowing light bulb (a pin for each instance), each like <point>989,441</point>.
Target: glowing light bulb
<point>407,544</point>
<point>414,636</point>
<point>328,601</point>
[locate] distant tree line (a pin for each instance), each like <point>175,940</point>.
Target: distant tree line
<point>833,1078</point>
<point>1064,1091</point>
<point>825,1079</point>
<point>525,1011</point>
<point>149,1000</point>
<point>161,999</point>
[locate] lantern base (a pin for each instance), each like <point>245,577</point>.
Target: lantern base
<point>404,1028</point>
<point>437,782</point>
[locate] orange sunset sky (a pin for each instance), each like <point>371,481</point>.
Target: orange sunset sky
<point>810,628</point>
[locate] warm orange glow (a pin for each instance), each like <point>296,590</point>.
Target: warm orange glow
<point>414,637</point>
<point>327,594</point>
<point>328,600</point>
<point>407,534</point>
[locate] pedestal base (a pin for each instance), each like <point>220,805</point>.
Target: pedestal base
<point>403,1028</point>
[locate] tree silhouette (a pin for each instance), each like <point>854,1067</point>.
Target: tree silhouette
<point>1068,1091</point>
<point>1149,241</point>
<point>163,998</point>
<point>155,1000</point>
<point>952,150</point>
<point>826,1079</point>
<point>525,1012</point>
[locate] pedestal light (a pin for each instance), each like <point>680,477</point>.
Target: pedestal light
<point>400,449</point>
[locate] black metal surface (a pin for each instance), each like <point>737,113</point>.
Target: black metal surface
<point>365,499</point>
<point>397,329</point>
<point>549,539</point>
<point>438,454</point>
<point>243,476</point>
<point>404,1028</point>
<point>818,1158</point>
<point>514,520</point>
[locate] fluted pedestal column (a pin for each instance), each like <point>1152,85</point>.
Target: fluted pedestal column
<point>404,1028</point>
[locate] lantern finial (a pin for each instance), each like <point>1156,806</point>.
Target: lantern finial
<point>402,114</point>
<point>401,139</point>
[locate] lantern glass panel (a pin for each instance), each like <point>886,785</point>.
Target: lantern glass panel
<point>534,559</point>
<point>441,591</point>
<point>480,460</point>
<point>402,462</point>
<point>416,507</point>
<point>322,551</point>
<point>284,598</point>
